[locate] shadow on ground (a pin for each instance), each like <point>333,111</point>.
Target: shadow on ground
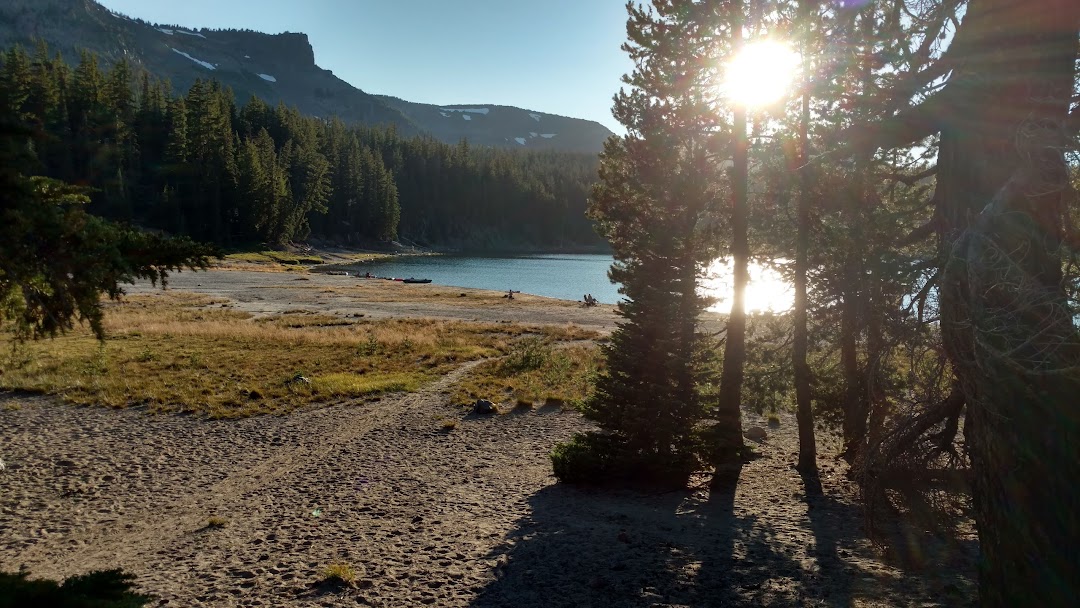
<point>581,548</point>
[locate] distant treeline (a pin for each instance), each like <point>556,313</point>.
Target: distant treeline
<point>200,165</point>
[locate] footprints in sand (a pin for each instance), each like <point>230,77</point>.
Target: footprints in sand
<point>415,513</point>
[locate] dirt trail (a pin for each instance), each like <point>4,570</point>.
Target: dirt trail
<point>470,517</point>
<point>377,485</point>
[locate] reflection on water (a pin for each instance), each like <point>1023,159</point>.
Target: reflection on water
<point>767,291</point>
<point>570,277</point>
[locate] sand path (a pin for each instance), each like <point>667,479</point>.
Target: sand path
<point>466,518</point>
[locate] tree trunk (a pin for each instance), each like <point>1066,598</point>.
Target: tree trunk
<point>805,414</point>
<point>855,402</point>
<point>1004,319</point>
<point>729,408</point>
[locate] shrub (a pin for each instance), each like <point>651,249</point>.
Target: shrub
<point>588,458</point>
<point>99,589</point>
<point>598,459</point>
<point>449,424</point>
<point>526,355</point>
<point>339,574</point>
<point>216,522</point>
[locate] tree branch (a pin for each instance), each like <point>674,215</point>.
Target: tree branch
<point>910,180</point>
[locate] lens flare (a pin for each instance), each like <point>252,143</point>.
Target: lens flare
<point>761,73</point>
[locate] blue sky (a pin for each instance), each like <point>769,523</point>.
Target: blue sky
<point>555,56</point>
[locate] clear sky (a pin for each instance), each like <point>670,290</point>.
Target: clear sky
<point>554,56</point>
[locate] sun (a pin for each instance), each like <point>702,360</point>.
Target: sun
<point>767,291</point>
<point>761,73</point>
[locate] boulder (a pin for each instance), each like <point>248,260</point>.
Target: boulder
<point>298,379</point>
<point>483,406</point>
<point>756,433</point>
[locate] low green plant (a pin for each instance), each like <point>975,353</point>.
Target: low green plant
<point>369,348</point>
<point>339,574</point>
<point>527,354</point>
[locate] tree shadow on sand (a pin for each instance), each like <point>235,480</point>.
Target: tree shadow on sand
<point>698,547</point>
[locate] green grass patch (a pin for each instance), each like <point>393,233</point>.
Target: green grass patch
<point>273,257</point>
<point>534,371</point>
<point>183,352</point>
<point>362,385</point>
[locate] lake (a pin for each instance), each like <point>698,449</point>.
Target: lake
<point>565,276</point>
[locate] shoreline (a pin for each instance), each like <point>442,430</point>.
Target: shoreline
<point>262,293</point>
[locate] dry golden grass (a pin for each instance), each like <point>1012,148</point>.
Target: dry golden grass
<point>284,261</point>
<point>267,257</point>
<point>339,574</point>
<point>533,372</point>
<point>185,352</point>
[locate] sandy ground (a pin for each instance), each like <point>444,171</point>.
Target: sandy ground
<point>469,517</point>
<point>275,292</point>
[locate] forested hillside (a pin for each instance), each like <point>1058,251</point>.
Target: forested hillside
<point>199,164</point>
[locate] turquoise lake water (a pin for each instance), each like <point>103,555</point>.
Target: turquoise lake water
<point>563,276</point>
<point>567,277</point>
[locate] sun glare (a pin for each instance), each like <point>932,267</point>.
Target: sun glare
<point>760,73</point>
<point>766,292</point>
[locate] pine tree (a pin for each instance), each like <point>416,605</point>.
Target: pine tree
<point>657,184</point>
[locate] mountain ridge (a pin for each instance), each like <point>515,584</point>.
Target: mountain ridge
<point>279,68</point>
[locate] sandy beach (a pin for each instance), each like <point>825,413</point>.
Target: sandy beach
<point>425,516</point>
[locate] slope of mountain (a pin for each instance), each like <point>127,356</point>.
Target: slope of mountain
<point>275,67</point>
<point>504,126</point>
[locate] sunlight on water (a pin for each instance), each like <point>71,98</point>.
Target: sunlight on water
<point>767,291</point>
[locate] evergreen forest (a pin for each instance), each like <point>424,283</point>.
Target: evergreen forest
<point>198,164</point>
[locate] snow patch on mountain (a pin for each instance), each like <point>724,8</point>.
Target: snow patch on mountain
<point>466,117</point>
<point>548,135</point>
<point>267,78</point>
<point>520,140</point>
<point>164,31</point>
<point>533,134</point>
<point>444,114</point>
<point>467,110</point>
<point>190,34</point>
<point>204,64</point>
<point>535,116</point>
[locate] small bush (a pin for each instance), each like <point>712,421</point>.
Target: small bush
<point>339,574</point>
<point>586,459</point>
<point>216,522</point>
<point>100,589</point>
<point>595,459</point>
<point>449,424</point>
<point>370,347</point>
<point>526,355</point>
<point>524,404</point>
<point>773,420</point>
